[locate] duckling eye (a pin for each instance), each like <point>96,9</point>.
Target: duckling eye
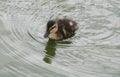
<point>52,27</point>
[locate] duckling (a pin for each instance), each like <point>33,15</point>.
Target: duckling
<point>60,29</point>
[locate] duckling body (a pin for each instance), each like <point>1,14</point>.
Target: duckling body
<point>60,29</point>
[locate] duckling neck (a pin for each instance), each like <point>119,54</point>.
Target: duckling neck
<point>55,36</point>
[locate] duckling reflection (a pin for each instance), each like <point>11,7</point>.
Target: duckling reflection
<point>50,51</point>
<point>51,48</point>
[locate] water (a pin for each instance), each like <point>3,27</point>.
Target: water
<point>93,52</point>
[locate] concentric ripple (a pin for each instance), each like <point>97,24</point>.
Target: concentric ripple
<point>93,52</point>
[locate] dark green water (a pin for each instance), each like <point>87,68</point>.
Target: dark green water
<point>93,52</point>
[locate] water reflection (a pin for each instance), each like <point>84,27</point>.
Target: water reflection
<point>50,51</point>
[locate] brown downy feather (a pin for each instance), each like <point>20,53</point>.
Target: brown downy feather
<point>60,29</point>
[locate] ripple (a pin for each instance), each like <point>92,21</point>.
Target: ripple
<point>92,52</point>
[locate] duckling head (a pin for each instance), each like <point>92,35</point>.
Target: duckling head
<point>51,30</point>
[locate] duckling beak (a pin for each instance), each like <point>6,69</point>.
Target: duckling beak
<point>46,34</point>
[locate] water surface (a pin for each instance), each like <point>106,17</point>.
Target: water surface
<point>93,52</point>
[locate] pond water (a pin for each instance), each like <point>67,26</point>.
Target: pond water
<point>93,52</point>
